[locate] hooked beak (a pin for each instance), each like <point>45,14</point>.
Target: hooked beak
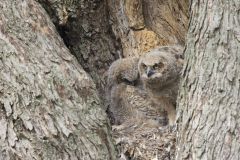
<point>149,71</point>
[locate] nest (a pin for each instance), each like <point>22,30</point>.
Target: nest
<point>142,141</point>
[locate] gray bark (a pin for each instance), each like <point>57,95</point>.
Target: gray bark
<point>209,122</point>
<point>49,107</point>
<point>84,26</point>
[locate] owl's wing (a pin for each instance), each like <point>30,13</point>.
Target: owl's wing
<point>122,71</point>
<point>118,110</point>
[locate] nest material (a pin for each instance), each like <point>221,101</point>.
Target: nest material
<point>142,141</point>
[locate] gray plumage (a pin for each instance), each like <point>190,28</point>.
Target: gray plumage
<point>132,103</point>
<point>123,71</point>
<point>142,89</point>
<point>160,71</point>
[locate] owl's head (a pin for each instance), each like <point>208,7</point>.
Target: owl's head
<point>160,66</point>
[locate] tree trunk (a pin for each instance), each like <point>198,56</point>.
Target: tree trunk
<point>142,25</point>
<point>85,29</point>
<point>49,107</point>
<point>209,123</point>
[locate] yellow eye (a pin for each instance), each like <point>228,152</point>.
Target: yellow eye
<point>158,66</point>
<point>144,66</point>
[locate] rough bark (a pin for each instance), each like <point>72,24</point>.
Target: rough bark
<point>84,26</point>
<point>142,24</point>
<point>99,31</point>
<point>49,107</point>
<point>209,122</point>
<point>168,19</point>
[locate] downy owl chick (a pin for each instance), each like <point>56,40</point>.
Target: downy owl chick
<point>160,71</point>
<point>127,100</point>
<point>123,71</point>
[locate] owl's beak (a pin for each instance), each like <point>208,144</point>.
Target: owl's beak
<point>149,71</point>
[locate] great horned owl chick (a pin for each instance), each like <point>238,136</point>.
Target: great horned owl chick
<point>159,71</point>
<point>126,97</point>
<point>123,71</point>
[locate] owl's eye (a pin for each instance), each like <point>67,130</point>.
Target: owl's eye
<point>158,66</point>
<point>144,66</point>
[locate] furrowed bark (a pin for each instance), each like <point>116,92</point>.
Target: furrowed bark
<point>49,107</point>
<point>209,96</point>
<point>85,29</point>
